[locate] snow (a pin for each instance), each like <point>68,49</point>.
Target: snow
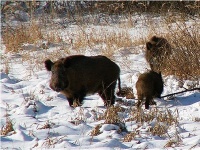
<point>30,104</point>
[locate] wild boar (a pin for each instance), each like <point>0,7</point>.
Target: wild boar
<point>78,75</point>
<point>149,85</point>
<point>157,53</point>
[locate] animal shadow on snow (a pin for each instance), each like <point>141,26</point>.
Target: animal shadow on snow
<point>8,79</point>
<point>61,96</point>
<point>181,100</point>
<point>86,101</point>
<point>92,99</point>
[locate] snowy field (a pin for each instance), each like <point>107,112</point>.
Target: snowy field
<point>42,118</point>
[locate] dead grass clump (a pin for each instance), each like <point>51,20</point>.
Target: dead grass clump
<point>197,119</point>
<point>80,116</point>
<point>5,62</point>
<point>130,136</point>
<point>160,120</point>
<point>32,33</point>
<point>170,143</point>
<point>14,38</point>
<point>76,121</point>
<point>158,129</point>
<point>8,128</point>
<point>51,142</point>
<point>139,115</point>
<point>108,41</point>
<point>47,125</point>
<point>184,62</point>
<point>111,115</point>
<point>96,130</point>
<point>126,92</point>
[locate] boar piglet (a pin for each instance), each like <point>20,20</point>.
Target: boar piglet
<point>149,86</point>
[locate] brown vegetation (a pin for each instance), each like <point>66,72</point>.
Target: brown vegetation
<point>184,40</point>
<point>8,128</point>
<point>184,61</point>
<point>126,92</point>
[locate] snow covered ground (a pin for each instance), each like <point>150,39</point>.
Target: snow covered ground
<point>42,118</point>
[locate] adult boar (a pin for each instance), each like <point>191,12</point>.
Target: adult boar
<point>76,76</point>
<point>157,53</point>
<point>149,86</point>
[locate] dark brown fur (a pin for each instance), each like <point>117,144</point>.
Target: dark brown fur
<point>158,51</point>
<point>78,75</point>
<point>149,86</point>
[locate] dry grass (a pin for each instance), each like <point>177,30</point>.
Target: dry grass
<point>7,128</point>
<point>183,63</point>
<point>184,38</point>
<point>96,130</point>
<point>5,62</point>
<point>170,143</point>
<point>126,92</point>
<point>14,38</point>
<point>107,41</point>
<point>111,115</point>
<point>186,43</point>
<point>161,119</point>
<point>130,136</point>
<point>158,129</point>
<point>158,123</point>
<point>47,125</point>
<point>51,142</point>
<point>79,116</point>
<point>32,35</point>
<point>197,119</point>
<point>161,116</point>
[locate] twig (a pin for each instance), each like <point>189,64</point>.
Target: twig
<point>180,92</point>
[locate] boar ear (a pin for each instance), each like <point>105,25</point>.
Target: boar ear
<point>149,45</point>
<point>155,39</point>
<point>48,63</point>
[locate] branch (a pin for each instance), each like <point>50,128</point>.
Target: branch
<point>180,92</point>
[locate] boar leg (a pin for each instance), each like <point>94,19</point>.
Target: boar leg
<point>75,101</point>
<point>110,94</point>
<point>70,100</point>
<point>147,102</point>
<point>107,94</point>
<point>140,100</point>
<point>79,96</point>
<point>108,97</point>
